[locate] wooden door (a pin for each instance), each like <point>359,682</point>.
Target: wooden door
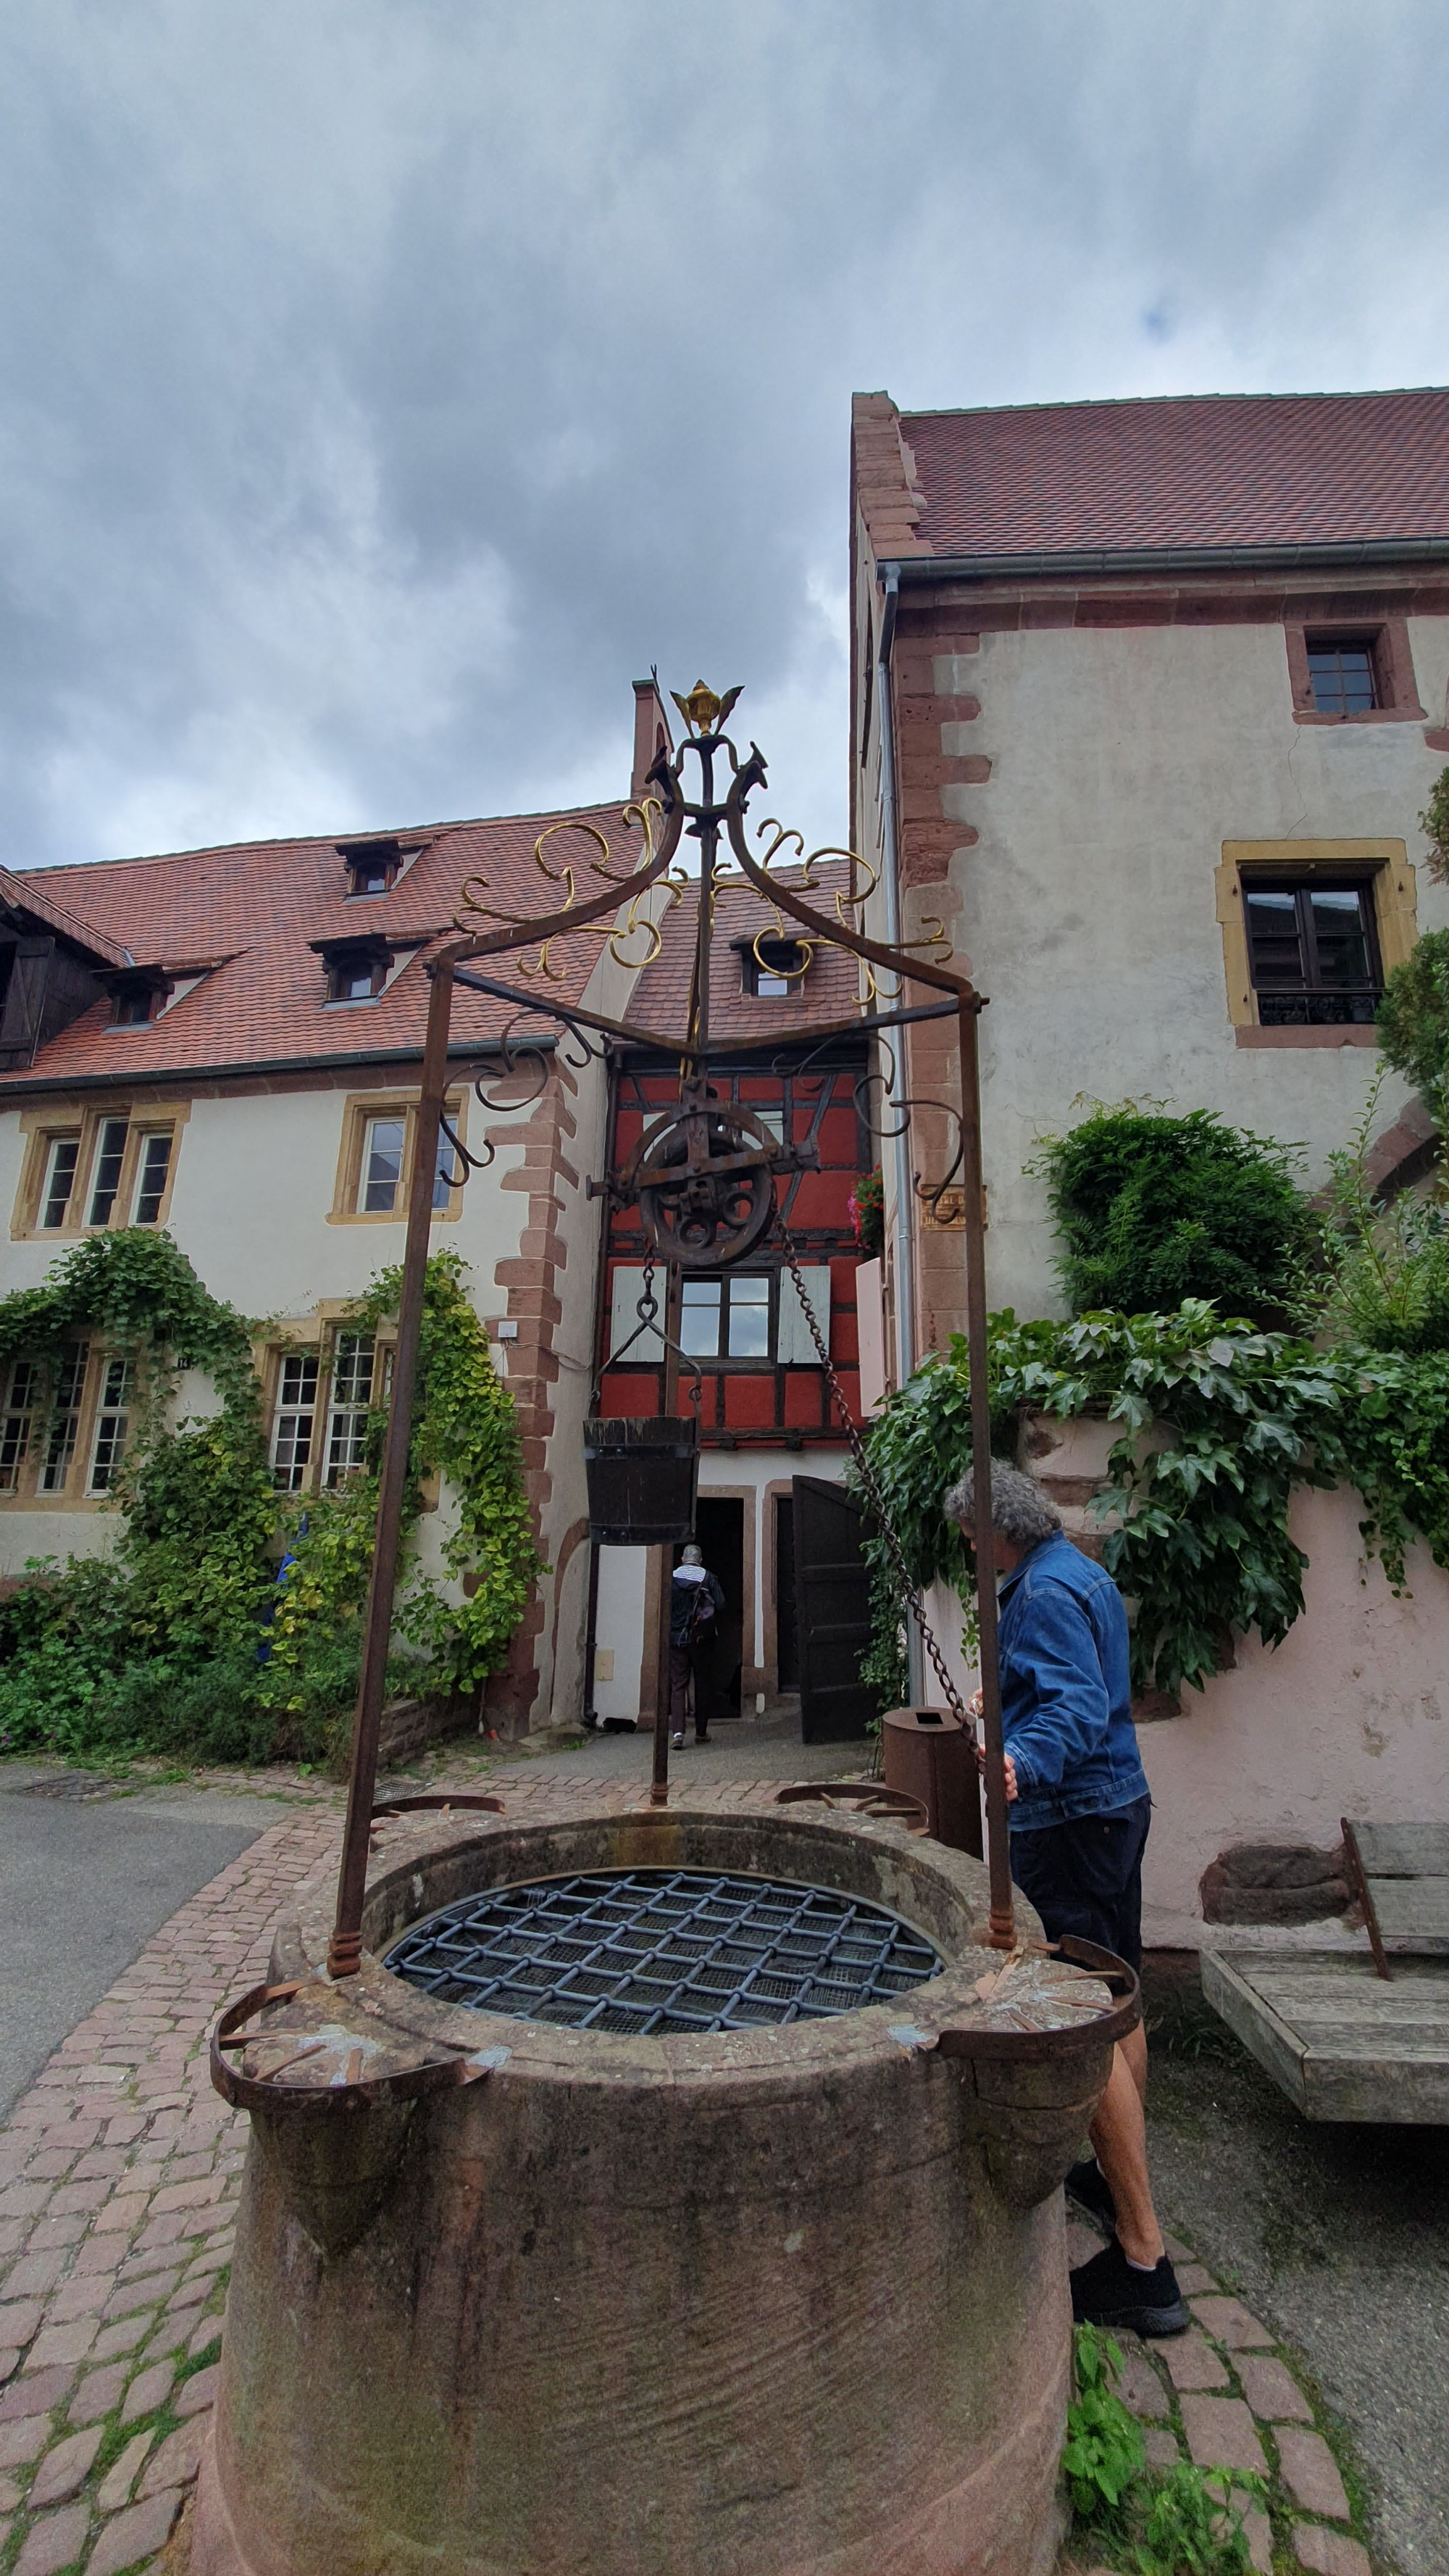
<point>832,1613</point>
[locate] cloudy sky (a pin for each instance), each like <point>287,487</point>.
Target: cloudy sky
<point>384,384</point>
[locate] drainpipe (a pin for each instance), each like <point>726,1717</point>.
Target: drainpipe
<point>905,1297</point>
<point>905,1257</point>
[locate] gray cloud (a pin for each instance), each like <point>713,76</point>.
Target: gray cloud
<point>387,382</point>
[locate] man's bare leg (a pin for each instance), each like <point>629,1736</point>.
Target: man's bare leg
<point>1119,2141</point>
<point>1134,2049</point>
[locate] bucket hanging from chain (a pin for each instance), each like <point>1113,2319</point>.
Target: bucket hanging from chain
<point>643,1476</point>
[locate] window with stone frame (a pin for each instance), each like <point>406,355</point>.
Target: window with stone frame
<point>1312,949</point>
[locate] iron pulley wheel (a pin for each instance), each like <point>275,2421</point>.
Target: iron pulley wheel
<point>704,1179</point>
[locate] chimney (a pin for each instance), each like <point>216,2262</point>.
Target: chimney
<point>651,731</point>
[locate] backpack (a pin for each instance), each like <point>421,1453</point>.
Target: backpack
<point>701,1615</point>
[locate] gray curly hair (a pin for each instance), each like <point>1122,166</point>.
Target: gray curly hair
<point>1020,1512</point>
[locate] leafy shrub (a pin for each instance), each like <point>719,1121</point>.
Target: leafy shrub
<point>1200,1544</point>
<point>1385,1279</point>
<point>184,1640</point>
<point>1434,823</point>
<point>1414,1018</point>
<point>1104,2450</point>
<point>1153,1210</point>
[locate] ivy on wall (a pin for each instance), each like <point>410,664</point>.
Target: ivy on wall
<point>1217,1423</point>
<point>185,1638</point>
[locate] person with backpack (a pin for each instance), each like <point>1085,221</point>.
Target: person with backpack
<point>695,1602</point>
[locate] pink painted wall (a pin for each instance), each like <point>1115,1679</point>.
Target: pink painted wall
<point>1350,1715</point>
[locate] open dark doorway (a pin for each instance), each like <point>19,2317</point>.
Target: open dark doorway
<point>719,1526</point>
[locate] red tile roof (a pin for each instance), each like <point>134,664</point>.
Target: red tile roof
<point>829,990</point>
<point>257,906</point>
<point>1191,470</point>
<point>27,894</point>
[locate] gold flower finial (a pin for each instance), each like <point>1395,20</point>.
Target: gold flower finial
<point>702,711</point>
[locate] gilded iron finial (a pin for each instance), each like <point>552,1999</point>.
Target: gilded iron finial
<point>702,711</point>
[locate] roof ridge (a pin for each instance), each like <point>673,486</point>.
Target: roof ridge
<point>1125,402</point>
<point>316,840</point>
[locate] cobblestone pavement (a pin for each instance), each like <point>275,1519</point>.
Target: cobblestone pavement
<point>1225,2395</point>
<point>119,2176</point>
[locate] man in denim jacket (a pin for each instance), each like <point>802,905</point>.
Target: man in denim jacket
<point>1080,1810</point>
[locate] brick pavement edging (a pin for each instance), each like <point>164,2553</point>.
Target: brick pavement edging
<point>119,2174</point>
<point>1225,2396</point>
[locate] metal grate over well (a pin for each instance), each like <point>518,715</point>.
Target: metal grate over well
<point>663,1950</point>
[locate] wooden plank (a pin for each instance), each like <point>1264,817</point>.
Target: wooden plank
<point>1342,2044</point>
<point>1403,1851</point>
<point>1413,1913</point>
<point>1252,2019</point>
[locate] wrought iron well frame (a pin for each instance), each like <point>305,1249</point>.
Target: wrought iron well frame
<point>703,817</point>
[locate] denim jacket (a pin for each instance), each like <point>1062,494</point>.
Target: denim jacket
<point>1066,1702</point>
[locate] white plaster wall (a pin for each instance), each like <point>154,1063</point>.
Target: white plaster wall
<point>619,1629</point>
<point>1122,760</point>
<point>1348,1717</point>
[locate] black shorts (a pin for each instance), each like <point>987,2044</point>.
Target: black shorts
<point>1085,1877</point>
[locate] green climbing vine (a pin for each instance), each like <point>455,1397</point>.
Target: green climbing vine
<point>1216,1424</point>
<point>464,1428</point>
<point>190,1635</point>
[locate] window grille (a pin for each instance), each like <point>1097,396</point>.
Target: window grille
<point>110,1159</point>
<point>65,1418</point>
<point>353,1370</point>
<point>111,1423</point>
<point>1343,675</point>
<point>294,1421</point>
<point>151,1186</point>
<point>1313,952</point>
<point>59,1182</point>
<point>15,1422</point>
<point>382,1165</point>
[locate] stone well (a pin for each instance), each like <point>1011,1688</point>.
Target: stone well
<point>753,2303</point>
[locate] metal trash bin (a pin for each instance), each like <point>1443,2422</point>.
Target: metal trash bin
<point>931,1756</point>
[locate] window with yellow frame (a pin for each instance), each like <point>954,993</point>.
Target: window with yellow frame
<point>90,1170</point>
<point>375,1161</point>
<point>1310,930</point>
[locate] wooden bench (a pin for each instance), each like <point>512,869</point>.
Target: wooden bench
<point>1351,2036</point>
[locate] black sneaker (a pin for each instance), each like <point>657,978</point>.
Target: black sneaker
<point>1088,2186</point>
<point>1109,2292</point>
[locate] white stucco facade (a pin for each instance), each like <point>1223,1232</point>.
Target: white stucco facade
<point>1123,760</point>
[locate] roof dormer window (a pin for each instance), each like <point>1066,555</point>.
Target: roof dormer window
<point>374,866</point>
<point>361,968</point>
<point>357,969</point>
<point>136,1000</point>
<point>772,967</point>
